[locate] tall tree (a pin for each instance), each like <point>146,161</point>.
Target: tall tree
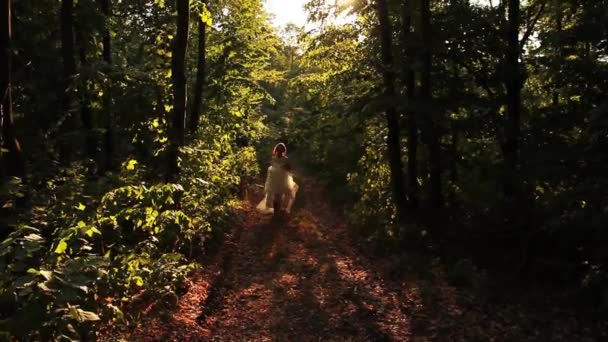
<point>106,8</point>
<point>409,81</point>
<point>67,48</point>
<point>200,70</point>
<point>394,135</point>
<point>86,115</point>
<point>513,84</point>
<point>432,135</point>
<point>66,18</point>
<point>178,72</point>
<point>10,150</point>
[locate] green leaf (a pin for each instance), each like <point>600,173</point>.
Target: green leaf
<point>61,247</point>
<point>46,274</point>
<point>92,231</point>
<point>206,16</point>
<point>44,287</point>
<point>81,207</point>
<point>131,164</point>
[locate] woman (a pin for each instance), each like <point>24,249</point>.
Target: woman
<point>279,187</point>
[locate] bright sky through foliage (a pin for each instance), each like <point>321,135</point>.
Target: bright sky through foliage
<point>287,11</point>
<point>284,12</point>
<point>292,11</point>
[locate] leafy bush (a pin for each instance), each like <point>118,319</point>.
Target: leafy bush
<point>135,243</point>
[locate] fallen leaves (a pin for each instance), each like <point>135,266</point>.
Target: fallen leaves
<point>306,279</point>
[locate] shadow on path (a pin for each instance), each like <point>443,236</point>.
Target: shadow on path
<point>299,279</point>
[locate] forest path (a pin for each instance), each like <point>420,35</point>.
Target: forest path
<point>305,278</point>
<point>300,279</point>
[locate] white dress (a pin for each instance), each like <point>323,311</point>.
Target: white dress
<point>278,182</point>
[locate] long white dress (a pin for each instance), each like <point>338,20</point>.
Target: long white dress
<point>278,182</point>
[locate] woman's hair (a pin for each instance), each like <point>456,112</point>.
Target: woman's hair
<point>279,150</point>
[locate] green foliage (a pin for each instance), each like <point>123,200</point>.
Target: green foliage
<point>374,210</point>
<point>331,108</point>
<point>94,242</point>
<point>86,238</point>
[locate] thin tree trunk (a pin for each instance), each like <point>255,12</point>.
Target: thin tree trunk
<point>513,85</point>
<point>69,70</point>
<point>178,119</point>
<point>559,51</point>
<point>85,101</point>
<point>200,78</point>
<point>409,80</point>
<point>106,8</point>
<point>432,136</point>
<point>454,165</point>
<point>10,153</point>
<point>454,94</point>
<point>393,138</point>
<point>67,47</point>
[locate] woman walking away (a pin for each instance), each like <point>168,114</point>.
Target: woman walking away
<point>280,189</point>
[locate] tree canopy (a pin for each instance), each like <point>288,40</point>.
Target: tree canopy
<point>474,130</point>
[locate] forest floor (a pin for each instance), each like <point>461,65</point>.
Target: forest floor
<point>307,278</point>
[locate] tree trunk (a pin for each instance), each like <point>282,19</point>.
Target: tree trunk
<point>455,155</point>
<point>85,100</point>
<point>432,127</point>
<point>67,47</point>
<point>69,70</point>
<point>178,119</point>
<point>10,150</point>
<point>454,165</point>
<point>393,143</point>
<point>200,78</point>
<point>409,81</point>
<point>513,84</point>
<point>558,57</point>
<point>106,8</point>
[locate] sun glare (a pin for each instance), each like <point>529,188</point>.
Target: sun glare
<point>287,11</point>
<point>292,11</point>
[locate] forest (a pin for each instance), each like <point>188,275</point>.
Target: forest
<point>452,158</point>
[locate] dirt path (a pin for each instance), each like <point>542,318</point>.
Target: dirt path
<point>304,279</point>
<point>300,279</point>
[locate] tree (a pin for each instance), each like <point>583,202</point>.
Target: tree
<point>408,76</point>
<point>178,73</point>
<point>10,150</point>
<point>431,130</point>
<point>394,135</point>
<point>106,9</point>
<point>86,115</point>
<point>202,23</point>
<point>513,84</point>
<point>67,51</point>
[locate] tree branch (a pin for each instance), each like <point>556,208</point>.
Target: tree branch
<point>531,25</point>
